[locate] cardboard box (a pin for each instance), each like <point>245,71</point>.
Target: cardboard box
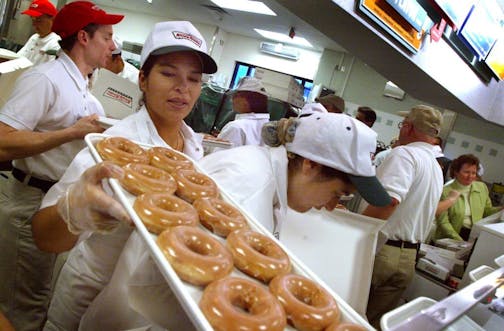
<point>9,73</point>
<point>118,96</point>
<point>462,249</point>
<point>432,268</point>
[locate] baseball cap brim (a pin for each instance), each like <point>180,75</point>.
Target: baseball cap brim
<point>108,19</point>
<point>208,64</point>
<point>31,12</point>
<point>371,190</point>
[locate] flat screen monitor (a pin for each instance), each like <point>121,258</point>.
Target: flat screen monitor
<point>456,11</point>
<point>495,58</point>
<point>482,27</point>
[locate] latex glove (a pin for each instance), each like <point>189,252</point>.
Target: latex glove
<point>87,207</point>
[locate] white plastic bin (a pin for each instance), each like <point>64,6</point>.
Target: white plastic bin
<point>480,272</point>
<point>402,313</point>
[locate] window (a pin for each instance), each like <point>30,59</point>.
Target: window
<point>244,69</point>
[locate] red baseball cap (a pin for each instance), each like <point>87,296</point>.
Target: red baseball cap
<point>40,7</point>
<point>76,15</point>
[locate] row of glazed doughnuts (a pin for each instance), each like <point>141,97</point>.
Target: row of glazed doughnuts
<point>229,303</point>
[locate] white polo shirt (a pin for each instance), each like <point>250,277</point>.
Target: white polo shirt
<point>129,72</point>
<point>411,175</point>
<point>50,97</point>
<point>245,129</point>
<point>35,48</point>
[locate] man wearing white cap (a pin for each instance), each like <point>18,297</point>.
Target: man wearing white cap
<point>412,177</point>
<point>43,45</point>
<point>118,66</point>
<point>250,101</point>
<point>42,126</point>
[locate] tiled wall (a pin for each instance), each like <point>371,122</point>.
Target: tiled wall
<point>491,154</point>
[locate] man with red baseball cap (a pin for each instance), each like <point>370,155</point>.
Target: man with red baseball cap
<point>42,126</point>
<point>43,44</point>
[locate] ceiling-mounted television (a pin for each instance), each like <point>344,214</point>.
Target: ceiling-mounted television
<point>481,28</point>
<point>495,58</point>
<point>456,11</point>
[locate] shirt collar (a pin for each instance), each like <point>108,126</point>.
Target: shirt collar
<point>74,72</point>
<point>252,116</point>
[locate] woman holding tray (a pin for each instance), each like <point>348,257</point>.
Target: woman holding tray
<point>173,59</point>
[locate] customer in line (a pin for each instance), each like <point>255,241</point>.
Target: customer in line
<point>469,204</point>
<point>412,177</point>
<point>42,126</point>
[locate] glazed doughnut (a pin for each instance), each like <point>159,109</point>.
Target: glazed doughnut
<point>169,160</point>
<point>308,306</point>
<point>159,211</point>
<point>195,255</point>
<point>121,151</point>
<point>142,178</point>
<point>193,185</point>
<point>345,327</point>
<point>257,255</point>
<point>233,303</point>
<point>219,216</point>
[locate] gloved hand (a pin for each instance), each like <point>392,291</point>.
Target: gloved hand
<point>87,207</point>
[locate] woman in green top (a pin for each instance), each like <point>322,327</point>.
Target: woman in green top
<point>472,204</point>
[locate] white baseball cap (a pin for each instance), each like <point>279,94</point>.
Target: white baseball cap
<point>250,84</point>
<point>175,36</point>
<point>118,44</point>
<point>343,143</point>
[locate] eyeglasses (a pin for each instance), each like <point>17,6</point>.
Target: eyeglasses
<point>401,124</point>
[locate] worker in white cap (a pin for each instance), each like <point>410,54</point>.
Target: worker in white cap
<point>117,65</point>
<point>173,61</point>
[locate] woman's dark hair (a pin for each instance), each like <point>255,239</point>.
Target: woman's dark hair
<point>68,43</point>
<point>457,164</point>
<point>149,64</point>
<point>258,102</point>
<point>295,162</point>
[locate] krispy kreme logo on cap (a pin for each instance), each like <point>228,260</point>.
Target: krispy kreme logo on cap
<point>187,36</point>
<point>34,5</point>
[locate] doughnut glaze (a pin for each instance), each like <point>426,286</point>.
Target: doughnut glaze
<point>233,303</point>
<point>121,151</point>
<point>219,216</point>
<point>142,178</point>
<point>168,160</point>
<point>308,306</point>
<point>195,255</point>
<point>193,185</point>
<point>257,255</point>
<point>159,211</point>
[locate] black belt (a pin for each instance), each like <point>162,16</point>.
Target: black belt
<point>402,244</point>
<point>41,184</point>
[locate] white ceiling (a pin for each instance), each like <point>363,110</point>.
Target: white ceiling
<point>237,22</point>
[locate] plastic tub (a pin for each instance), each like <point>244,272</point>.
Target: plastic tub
<point>402,313</point>
<point>480,272</point>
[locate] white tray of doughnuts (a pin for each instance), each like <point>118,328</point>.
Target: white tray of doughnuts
<point>189,295</point>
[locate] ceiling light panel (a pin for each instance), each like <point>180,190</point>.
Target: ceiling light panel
<point>256,7</point>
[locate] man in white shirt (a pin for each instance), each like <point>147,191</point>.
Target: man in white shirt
<point>42,126</point>
<point>412,177</point>
<point>43,45</point>
<point>122,68</point>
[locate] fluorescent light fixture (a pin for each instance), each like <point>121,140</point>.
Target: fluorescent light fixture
<point>284,38</point>
<point>256,7</point>
<point>149,1</point>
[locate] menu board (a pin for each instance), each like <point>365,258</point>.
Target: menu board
<point>393,22</point>
<point>495,58</point>
<point>482,27</point>
<point>456,11</point>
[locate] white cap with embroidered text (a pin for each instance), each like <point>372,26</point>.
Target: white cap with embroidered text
<point>343,143</point>
<point>118,44</point>
<point>249,84</point>
<point>175,36</point>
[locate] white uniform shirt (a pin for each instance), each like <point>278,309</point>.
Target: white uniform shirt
<point>411,175</point>
<point>35,48</point>
<point>245,129</point>
<point>50,97</point>
<point>129,72</point>
<point>91,262</point>
<point>138,284</point>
